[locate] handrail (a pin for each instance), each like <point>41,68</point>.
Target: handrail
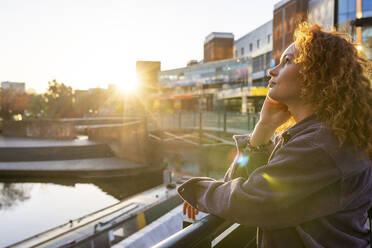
<point>199,234</point>
<point>203,232</point>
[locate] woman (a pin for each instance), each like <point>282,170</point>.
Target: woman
<point>313,187</point>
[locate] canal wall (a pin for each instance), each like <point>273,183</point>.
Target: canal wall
<point>129,141</point>
<point>51,129</point>
<point>54,152</point>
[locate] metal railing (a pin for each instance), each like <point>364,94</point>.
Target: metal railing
<point>199,234</point>
<point>230,122</point>
<point>211,231</point>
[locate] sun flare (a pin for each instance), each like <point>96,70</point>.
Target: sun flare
<point>129,87</point>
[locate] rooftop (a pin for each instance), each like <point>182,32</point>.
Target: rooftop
<point>223,35</point>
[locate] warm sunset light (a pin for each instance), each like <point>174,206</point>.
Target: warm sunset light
<point>129,87</point>
<point>113,113</point>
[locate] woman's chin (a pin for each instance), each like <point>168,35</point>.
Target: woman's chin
<point>272,97</point>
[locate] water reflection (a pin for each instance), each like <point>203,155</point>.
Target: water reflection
<point>12,194</point>
<point>30,205</point>
<point>14,188</point>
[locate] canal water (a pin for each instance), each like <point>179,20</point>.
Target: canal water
<point>30,206</point>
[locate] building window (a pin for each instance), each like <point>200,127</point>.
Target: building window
<point>269,56</point>
<point>268,38</point>
<point>236,53</point>
<point>346,10</point>
<point>250,47</point>
<point>367,8</point>
<point>258,43</point>
<point>258,63</point>
<point>367,41</point>
<point>242,51</point>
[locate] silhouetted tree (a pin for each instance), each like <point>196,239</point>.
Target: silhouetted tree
<point>37,106</point>
<point>59,100</point>
<point>12,102</point>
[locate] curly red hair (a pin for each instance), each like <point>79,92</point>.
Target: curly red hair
<point>336,83</point>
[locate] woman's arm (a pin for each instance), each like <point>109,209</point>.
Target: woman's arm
<point>299,184</point>
<point>273,114</point>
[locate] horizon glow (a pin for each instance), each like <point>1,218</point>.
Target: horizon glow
<point>87,44</point>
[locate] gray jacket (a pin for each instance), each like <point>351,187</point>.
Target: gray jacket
<point>311,193</point>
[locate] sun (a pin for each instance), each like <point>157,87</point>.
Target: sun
<point>129,87</point>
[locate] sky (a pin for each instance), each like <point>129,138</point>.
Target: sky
<point>93,43</point>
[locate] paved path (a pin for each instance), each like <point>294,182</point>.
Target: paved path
<point>96,164</point>
<point>30,142</point>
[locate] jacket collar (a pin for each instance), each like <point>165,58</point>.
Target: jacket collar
<point>299,126</point>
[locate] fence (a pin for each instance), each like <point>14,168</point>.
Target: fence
<point>211,231</point>
<point>230,122</point>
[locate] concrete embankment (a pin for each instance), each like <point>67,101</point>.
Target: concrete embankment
<point>71,158</point>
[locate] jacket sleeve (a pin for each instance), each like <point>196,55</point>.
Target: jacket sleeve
<point>299,184</point>
<point>245,162</point>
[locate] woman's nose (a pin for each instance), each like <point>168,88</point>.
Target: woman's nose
<point>274,71</point>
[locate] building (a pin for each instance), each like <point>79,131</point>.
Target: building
<point>233,84</point>
<point>355,18</point>
<point>349,16</point>
<point>287,13</point>
<point>147,78</point>
<point>202,86</point>
<point>322,12</point>
<point>147,75</point>
<point>218,46</point>
<point>17,87</point>
<point>257,44</point>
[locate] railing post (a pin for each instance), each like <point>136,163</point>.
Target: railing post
<point>255,121</point>
<point>200,127</point>
<point>194,119</point>
<point>249,121</point>
<point>224,122</point>
<point>179,120</point>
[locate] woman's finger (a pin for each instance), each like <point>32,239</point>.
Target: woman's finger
<point>184,208</point>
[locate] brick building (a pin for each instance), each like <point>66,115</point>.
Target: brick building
<point>218,46</point>
<point>287,13</point>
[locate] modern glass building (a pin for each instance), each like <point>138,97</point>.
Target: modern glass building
<point>238,84</point>
<point>355,17</point>
<point>346,10</point>
<point>231,71</point>
<point>350,16</point>
<point>197,86</point>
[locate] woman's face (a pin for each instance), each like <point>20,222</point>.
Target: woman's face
<point>284,83</point>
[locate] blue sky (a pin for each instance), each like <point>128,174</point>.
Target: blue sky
<point>91,43</point>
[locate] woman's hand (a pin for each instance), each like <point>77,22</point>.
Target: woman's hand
<point>189,210</point>
<point>273,115</point>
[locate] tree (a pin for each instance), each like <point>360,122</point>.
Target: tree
<point>37,106</point>
<point>12,103</point>
<point>59,100</point>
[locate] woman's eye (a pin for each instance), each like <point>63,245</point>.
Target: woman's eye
<point>286,60</point>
